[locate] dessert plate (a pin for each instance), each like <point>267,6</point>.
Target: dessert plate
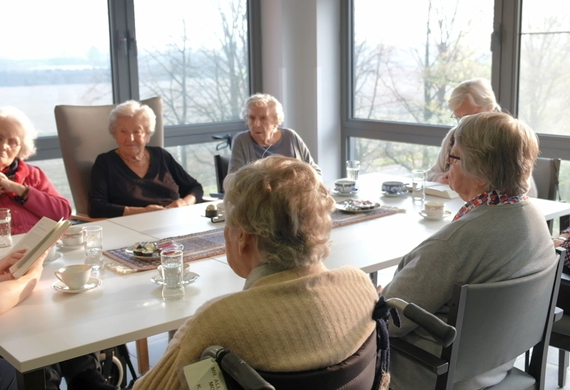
<point>155,254</point>
<point>90,285</point>
<point>344,207</point>
<point>446,214</point>
<point>189,277</point>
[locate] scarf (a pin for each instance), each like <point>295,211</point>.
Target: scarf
<point>492,198</point>
<point>18,171</point>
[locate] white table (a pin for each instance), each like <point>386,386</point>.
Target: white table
<point>49,326</point>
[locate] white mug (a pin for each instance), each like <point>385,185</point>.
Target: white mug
<point>434,209</point>
<point>74,276</point>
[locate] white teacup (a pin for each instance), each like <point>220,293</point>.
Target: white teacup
<point>434,209</point>
<point>52,253</point>
<point>185,267</point>
<point>345,186</point>
<point>73,236</point>
<point>74,276</point>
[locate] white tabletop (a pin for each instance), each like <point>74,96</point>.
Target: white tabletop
<point>50,326</point>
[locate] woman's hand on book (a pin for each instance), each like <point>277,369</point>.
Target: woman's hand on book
<point>7,261</point>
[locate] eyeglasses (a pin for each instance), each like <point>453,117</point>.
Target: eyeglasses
<point>457,118</point>
<point>451,158</point>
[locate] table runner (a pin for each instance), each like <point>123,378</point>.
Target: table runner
<point>211,242</point>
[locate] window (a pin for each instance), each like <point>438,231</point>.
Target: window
<point>405,67</point>
<point>544,85</point>
<point>195,58</point>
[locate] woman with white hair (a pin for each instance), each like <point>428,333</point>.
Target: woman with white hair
<point>293,314</point>
<point>264,114</point>
<point>25,189</point>
<point>497,235</point>
<point>470,97</point>
<point>136,178</point>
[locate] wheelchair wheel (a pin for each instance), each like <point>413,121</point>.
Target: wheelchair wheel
<point>115,374</point>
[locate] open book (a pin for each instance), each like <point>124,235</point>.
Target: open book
<point>442,191</point>
<point>43,235</point>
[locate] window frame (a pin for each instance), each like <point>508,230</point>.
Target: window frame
<point>125,82</point>
<point>505,45</point>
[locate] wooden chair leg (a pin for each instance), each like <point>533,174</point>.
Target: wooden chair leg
<point>562,367</point>
<point>142,356</point>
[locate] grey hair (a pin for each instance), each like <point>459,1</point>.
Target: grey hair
<point>478,91</point>
<point>283,203</point>
<point>132,109</point>
<point>499,149</point>
<point>12,117</point>
<point>264,100</point>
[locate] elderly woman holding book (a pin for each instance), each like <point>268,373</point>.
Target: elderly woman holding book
<point>497,235</point>
<point>25,189</point>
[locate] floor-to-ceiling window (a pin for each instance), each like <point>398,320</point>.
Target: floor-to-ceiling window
<point>198,56</point>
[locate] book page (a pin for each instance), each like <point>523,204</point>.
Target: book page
<point>35,235</point>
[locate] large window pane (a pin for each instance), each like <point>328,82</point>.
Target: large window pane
<point>198,160</point>
<point>195,55</point>
<point>49,58</point>
<point>409,54</point>
<point>544,86</point>
<point>395,158</point>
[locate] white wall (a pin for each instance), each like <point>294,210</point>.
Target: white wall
<point>301,68</point>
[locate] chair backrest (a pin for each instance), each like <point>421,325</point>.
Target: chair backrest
<point>545,176</point>
<point>497,322</point>
<point>221,163</point>
<point>357,372</point>
<point>83,135</point>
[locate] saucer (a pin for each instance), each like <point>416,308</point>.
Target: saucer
<point>58,255</point>
<point>60,245</point>
<point>189,277</point>
<point>342,207</point>
<point>446,214</point>
<point>335,192</point>
<point>392,195</point>
<point>90,285</point>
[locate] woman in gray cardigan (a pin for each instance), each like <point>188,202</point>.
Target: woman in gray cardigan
<point>263,114</point>
<point>498,235</point>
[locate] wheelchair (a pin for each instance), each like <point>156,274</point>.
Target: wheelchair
<point>365,369</point>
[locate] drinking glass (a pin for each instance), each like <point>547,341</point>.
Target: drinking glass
<point>352,169</point>
<point>418,184</point>
<point>5,228</point>
<point>93,245</point>
<point>173,271</point>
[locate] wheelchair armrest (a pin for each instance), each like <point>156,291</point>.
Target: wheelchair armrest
<point>419,356</point>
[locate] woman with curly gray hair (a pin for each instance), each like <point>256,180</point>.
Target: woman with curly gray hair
<point>264,114</point>
<point>293,313</point>
<point>25,189</point>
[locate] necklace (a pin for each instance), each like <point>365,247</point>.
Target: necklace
<point>130,160</point>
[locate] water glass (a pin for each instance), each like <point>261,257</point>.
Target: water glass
<point>173,272</point>
<point>5,228</point>
<point>418,184</point>
<point>352,169</point>
<point>93,245</point>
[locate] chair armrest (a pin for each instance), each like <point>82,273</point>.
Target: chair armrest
<point>558,313</point>
<point>84,218</point>
<point>419,356</point>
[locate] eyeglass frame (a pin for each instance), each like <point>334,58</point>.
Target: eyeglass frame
<point>452,157</point>
<point>6,142</point>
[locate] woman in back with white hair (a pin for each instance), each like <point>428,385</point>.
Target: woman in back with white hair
<point>468,98</point>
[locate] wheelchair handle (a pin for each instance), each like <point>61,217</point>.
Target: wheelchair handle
<point>442,332</point>
<point>235,367</point>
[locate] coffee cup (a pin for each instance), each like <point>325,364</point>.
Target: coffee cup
<point>52,253</point>
<point>74,276</point>
<point>393,187</point>
<point>73,236</point>
<point>185,270</point>
<point>345,186</point>
<point>434,209</point>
